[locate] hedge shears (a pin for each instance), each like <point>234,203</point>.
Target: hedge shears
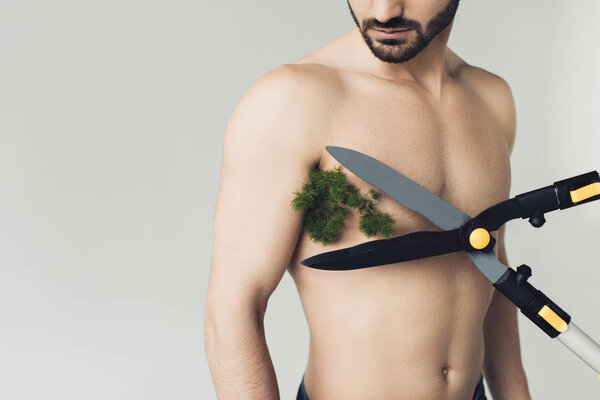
<point>472,235</point>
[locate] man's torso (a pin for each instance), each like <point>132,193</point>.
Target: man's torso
<point>410,330</point>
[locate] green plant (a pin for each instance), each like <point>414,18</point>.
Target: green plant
<point>327,199</point>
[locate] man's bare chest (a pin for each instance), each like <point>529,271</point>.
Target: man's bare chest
<point>455,149</point>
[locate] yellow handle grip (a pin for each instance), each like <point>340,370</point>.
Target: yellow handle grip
<point>553,319</point>
<point>585,192</point>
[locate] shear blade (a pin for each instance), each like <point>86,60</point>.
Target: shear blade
<point>412,246</point>
<point>414,197</point>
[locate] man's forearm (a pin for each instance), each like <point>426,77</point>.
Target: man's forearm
<point>238,356</point>
<point>503,368</point>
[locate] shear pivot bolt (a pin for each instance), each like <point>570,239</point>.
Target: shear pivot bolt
<point>479,238</point>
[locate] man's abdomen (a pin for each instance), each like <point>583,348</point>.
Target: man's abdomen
<point>411,330</point>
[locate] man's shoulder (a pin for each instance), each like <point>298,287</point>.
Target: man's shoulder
<point>496,93</point>
<point>287,107</point>
<point>484,80</point>
<point>309,79</point>
<point>303,89</point>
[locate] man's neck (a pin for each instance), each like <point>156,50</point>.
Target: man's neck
<point>429,68</point>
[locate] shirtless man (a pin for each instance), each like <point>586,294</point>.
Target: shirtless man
<point>417,330</point>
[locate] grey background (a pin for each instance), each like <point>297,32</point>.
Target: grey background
<point>112,115</point>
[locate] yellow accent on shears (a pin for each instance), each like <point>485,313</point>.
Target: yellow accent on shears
<point>585,192</point>
<point>553,319</point>
<point>479,238</point>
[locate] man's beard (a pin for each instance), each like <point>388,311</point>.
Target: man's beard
<point>398,50</point>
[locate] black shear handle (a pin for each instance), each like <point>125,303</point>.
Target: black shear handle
<point>533,303</point>
<point>543,312</point>
<point>563,194</point>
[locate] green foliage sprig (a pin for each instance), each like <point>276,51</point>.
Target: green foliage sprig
<point>328,197</point>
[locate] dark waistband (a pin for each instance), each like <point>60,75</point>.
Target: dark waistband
<point>479,393</point>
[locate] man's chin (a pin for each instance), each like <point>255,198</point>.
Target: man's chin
<point>392,60</point>
<point>393,57</point>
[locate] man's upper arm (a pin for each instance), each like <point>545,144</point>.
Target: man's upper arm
<point>506,104</point>
<point>497,94</point>
<point>268,149</point>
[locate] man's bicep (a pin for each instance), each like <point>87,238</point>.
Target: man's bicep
<point>267,154</point>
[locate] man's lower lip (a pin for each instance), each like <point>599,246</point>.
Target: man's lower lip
<point>391,35</point>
